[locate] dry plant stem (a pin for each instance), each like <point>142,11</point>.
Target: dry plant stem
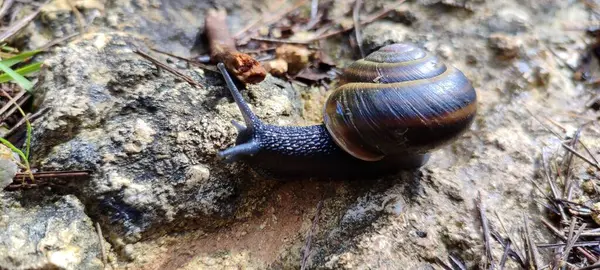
<point>58,41</point>
<point>556,232</point>
<point>19,102</point>
<point>486,231</point>
<point>532,252</point>
<point>285,41</point>
<point>269,20</point>
<point>457,263</point>
<point>246,28</point>
<point>80,21</point>
<point>26,157</point>
<point>367,21</point>
<point>589,267</point>
<point>278,17</point>
<point>53,174</point>
<point>190,61</point>
<point>13,29</point>
<point>568,185</point>
<point>572,241</point>
<point>168,68</point>
<point>581,156</point>
<point>101,240</point>
<point>356,18</point>
<point>595,164</point>
<point>223,49</point>
<point>8,105</point>
<point>31,118</point>
<point>5,7</point>
<point>505,255</point>
<point>314,9</point>
<point>587,150</point>
<point>443,264</point>
<point>306,252</point>
<point>578,244</point>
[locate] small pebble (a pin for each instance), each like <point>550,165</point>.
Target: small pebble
<point>504,46</point>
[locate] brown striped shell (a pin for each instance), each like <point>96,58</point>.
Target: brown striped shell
<point>399,99</point>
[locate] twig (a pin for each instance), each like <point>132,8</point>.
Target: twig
<point>31,118</point>
<point>19,102</point>
<point>572,241</point>
<point>190,61</point>
<point>58,41</point>
<point>80,21</point>
<point>457,263</point>
<point>13,29</point>
<point>8,105</point>
<point>248,27</point>
<point>532,253</point>
<point>314,9</point>
<point>595,164</point>
<point>505,254</point>
<point>168,68</point>
<point>286,41</point>
<point>588,151</point>
<point>5,7</point>
<point>443,264</point>
<point>367,21</point>
<point>581,156</point>
<point>568,185</point>
<point>278,17</point>
<point>562,237</point>
<point>356,18</point>
<point>513,252</point>
<point>589,267</point>
<point>306,252</point>
<point>486,231</point>
<point>510,238</point>
<point>222,49</point>
<point>53,174</point>
<point>578,244</point>
<point>101,240</point>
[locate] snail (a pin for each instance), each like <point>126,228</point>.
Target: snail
<point>389,112</point>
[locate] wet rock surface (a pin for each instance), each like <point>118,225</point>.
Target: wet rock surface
<point>150,141</point>
<point>48,234</point>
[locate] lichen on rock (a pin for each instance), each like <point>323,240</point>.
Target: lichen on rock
<point>52,235</point>
<point>149,139</point>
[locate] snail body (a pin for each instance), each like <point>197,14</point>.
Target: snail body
<point>389,112</point>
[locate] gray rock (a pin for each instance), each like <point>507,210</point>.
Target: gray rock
<point>8,166</point>
<point>509,20</point>
<point>149,138</point>
<point>52,235</point>
<point>505,47</point>
<point>382,33</point>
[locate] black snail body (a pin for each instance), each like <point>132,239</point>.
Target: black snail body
<point>391,110</point>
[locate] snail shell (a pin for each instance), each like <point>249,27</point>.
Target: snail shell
<point>399,99</point>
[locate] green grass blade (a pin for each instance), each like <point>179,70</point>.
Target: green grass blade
<point>22,71</point>
<point>14,149</point>
<point>20,80</point>
<point>19,58</point>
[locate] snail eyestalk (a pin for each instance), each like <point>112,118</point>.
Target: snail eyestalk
<point>249,117</point>
<point>234,153</point>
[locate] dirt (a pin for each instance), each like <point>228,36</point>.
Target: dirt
<point>517,54</point>
<point>262,236</point>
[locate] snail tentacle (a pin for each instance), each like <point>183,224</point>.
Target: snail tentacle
<point>238,126</point>
<point>249,117</point>
<point>234,153</point>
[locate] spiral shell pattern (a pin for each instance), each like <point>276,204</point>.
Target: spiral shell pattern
<point>399,99</point>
